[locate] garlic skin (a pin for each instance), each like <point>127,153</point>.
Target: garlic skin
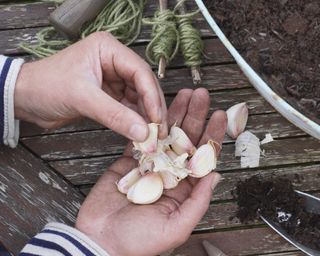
<point>237,119</point>
<point>146,190</point>
<point>180,142</point>
<point>248,148</point>
<point>128,180</point>
<point>149,146</point>
<point>169,180</point>
<point>203,161</point>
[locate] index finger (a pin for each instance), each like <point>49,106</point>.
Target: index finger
<point>131,68</point>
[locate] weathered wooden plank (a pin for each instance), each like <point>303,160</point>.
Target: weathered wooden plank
<point>13,16</point>
<point>214,51</point>
<point>219,100</point>
<point>87,171</point>
<point>10,39</point>
<point>31,195</point>
<point>104,142</point>
<point>238,242</point>
<point>35,14</point>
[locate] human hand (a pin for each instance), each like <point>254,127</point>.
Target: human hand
<point>123,228</point>
<point>98,78</point>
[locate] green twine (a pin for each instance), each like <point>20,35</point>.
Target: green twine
<point>165,37</point>
<point>190,39</point>
<point>172,31</point>
<point>122,18</point>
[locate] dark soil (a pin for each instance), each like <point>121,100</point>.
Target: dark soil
<point>276,200</point>
<point>280,39</point>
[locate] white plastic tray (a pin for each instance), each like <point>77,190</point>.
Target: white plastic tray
<point>275,100</point>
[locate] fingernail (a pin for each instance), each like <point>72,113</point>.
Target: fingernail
<point>215,180</point>
<point>138,132</point>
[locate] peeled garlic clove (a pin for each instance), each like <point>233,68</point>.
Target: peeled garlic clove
<point>150,144</point>
<point>203,161</point>
<point>169,180</point>
<point>146,190</point>
<point>237,119</point>
<point>180,142</point>
<point>128,180</point>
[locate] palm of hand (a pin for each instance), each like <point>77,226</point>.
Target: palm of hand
<point>123,228</point>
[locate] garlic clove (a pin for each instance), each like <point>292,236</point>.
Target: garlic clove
<point>169,180</point>
<point>203,161</point>
<point>162,162</point>
<point>149,146</point>
<point>128,180</point>
<point>237,119</point>
<point>146,190</point>
<point>180,142</point>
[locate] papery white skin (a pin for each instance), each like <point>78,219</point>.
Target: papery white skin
<point>248,148</point>
<point>128,180</point>
<point>203,161</point>
<point>237,119</point>
<point>170,181</point>
<point>171,154</point>
<point>146,190</point>
<point>180,141</point>
<point>181,161</point>
<point>149,146</point>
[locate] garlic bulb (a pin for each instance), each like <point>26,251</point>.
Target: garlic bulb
<point>237,119</point>
<point>203,161</point>
<point>164,163</point>
<point>146,190</point>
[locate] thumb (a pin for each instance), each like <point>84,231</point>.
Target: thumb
<point>99,106</point>
<point>196,205</point>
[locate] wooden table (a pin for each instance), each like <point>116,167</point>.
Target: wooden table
<point>48,175</point>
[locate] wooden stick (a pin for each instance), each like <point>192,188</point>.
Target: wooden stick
<point>195,71</point>
<point>163,5</point>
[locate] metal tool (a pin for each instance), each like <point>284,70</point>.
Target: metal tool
<point>312,204</point>
<point>211,249</point>
<point>69,17</point>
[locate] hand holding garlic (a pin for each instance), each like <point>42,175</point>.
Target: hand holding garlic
<point>124,228</point>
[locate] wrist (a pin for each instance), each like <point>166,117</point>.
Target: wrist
<point>21,96</point>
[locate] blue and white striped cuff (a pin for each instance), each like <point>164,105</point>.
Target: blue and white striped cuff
<point>9,127</point>
<point>61,240</point>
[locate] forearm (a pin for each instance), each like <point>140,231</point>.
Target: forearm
<point>9,127</point>
<point>60,239</point>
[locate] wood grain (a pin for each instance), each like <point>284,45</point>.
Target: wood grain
<point>235,243</point>
<point>219,100</point>
<point>31,195</point>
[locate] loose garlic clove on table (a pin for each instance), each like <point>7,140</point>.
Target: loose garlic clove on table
<point>237,119</point>
<point>146,190</point>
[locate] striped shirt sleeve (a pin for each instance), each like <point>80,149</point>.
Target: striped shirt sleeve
<point>9,127</point>
<point>57,239</point>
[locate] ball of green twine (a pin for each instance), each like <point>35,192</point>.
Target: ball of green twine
<point>165,37</point>
<point>190,41</point>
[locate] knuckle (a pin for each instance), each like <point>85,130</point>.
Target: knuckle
<point>114,119</point>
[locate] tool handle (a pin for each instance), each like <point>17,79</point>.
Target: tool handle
<point>69,17</point>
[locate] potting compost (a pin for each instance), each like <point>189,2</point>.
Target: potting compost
<point>281,41</point>
<point>275,199</point>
